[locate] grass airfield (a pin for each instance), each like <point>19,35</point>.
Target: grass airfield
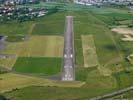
<point>112,72</point>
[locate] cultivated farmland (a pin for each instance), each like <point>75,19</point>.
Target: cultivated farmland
<point>41,66</point>
<point>37,46</point>
<point>89,51</point>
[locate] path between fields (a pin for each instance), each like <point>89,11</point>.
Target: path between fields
<point>31,29</point>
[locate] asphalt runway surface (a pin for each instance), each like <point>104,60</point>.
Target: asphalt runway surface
<point>68,59</point>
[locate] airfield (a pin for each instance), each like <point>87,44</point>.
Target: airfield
<point>34,50</point>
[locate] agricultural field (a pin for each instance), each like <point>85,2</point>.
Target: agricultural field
<point>42,54</point>
<point>89,51</point>
<point>42,29</point>
<point>46,66</point>
<point>52,47</point>
<point>29,27</point>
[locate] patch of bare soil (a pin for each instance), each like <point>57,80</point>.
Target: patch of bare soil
<point>127,33</point>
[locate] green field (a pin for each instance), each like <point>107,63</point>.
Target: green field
<point>56,93</point>
<point>50,25</point>
<point>124,79</point>
<point>15,28</point>
<point>42,66</point>
<point>42,29</point>
<point>15,38</point>
<point>85,24</point>
<point>45,24</point>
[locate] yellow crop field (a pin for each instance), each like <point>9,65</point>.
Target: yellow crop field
<point>37,46</point>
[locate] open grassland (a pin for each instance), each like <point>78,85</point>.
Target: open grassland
<point>56,93</point>
<point>121,17</point>
<point>37,46</point>
<point>41,66</point>
<point>95,79</point>
<point>89,51</point>
<point>110,10</point>
<point>86,24</point>
<point>54,28</point>
<point>124,78</point>
<point>15,28</point>
<point>108,49</point>
<point>50,25</point>
<point>12,81</point>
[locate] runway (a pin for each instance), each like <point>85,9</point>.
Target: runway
<point>68,56</point>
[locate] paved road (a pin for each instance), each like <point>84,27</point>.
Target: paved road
<point>68,61</point>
